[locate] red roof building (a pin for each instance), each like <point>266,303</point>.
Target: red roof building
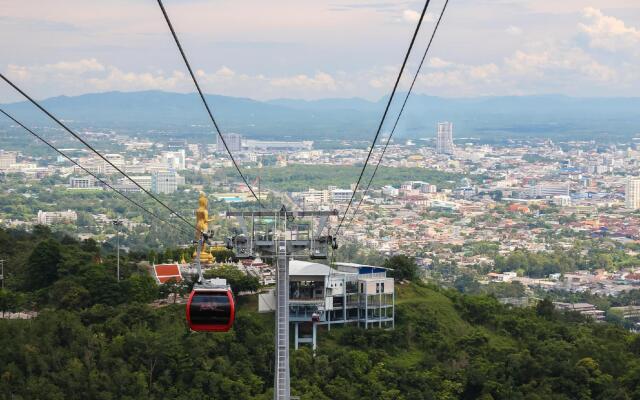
<point>164,272</point>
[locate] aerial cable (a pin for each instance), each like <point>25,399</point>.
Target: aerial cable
<point>65,127</point>
<point>384,115</point>
<point>206,104</point>
<point>406,98</point>
<point>43,140</point>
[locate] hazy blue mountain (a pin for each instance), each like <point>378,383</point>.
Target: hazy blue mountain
<point>488,118</point>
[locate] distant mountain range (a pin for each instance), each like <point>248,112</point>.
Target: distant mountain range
<point>487,118</point>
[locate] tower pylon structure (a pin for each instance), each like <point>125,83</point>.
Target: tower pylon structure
<point>280,235</point>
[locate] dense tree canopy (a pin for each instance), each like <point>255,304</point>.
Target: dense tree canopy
<point>402,267</point>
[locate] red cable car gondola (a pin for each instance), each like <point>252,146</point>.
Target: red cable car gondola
<point>210,308</point>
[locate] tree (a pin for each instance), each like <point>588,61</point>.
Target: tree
<point>545,308</point>
<point>175,288</point>
<point>9,301</point>
<point>402,268</point>
<point>43,265</point>
<point>238,280</point>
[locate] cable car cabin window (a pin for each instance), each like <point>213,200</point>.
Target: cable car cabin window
<point>210,309</point>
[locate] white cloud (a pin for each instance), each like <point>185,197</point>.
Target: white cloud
<point>410,15</point>
<point>607,32</point>
<point>320,81</point>
<point>437,62</point>
<point>79,67</point>
<point>557,62</point>
<point>89,75</point>
<point>413,16</point>
<point>513,30</point>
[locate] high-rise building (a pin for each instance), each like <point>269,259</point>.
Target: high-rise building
<point>444,138</point>
<point>233,140</point>
<point>632,193</point>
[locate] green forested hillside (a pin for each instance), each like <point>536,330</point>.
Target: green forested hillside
<point>445,346</point>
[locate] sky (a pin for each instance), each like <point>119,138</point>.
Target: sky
<point>311,49</point>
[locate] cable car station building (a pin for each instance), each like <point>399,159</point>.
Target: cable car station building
<point>349,293</point>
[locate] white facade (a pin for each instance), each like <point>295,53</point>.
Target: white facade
<point>313,196</point>
<point>7,159</point>
<point>550,190</point>
<point>444,138</point>
<point>57,217</point>
<point>632,193</point>
<point>562,201</point>
<point>164,182</point>
<point>341,195</point>
<point>115,159</point>
<point>83,182</point>
<point>142,180</point>
<point>390,191</point>
<point>174,159</point>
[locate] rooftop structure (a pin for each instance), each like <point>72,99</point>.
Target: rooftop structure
<point>166,272</point>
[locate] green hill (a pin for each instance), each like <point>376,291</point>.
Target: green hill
<point>446,345</point>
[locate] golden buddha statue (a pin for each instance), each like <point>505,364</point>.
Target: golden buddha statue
<point>202,225</point>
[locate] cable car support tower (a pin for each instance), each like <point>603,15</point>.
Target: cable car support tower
<point>280,235</point>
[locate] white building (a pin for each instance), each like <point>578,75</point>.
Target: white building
<point>390,191</point>
<point>174,159</point>
<point>115,159</point>
<point>341,195</point>
<point>550,190</point>
<point>83,182</point>
<point>632,193</point>
<point>142,180</point>
<point>7,159</point>
<point>350,293</point>
<point>444,138</point>
<point>313,196</point>
<point>57,217</point>
<point>562,200</point>
<point>165,182</point>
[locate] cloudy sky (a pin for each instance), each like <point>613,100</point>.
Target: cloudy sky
<point>321,48</point>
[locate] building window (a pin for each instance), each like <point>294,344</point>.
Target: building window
<point>361,287</point>
<point>382,287</point>
<point>377,287</point>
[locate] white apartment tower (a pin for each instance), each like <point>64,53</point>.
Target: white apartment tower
<point>444,138</point>
<point>632,193</point>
